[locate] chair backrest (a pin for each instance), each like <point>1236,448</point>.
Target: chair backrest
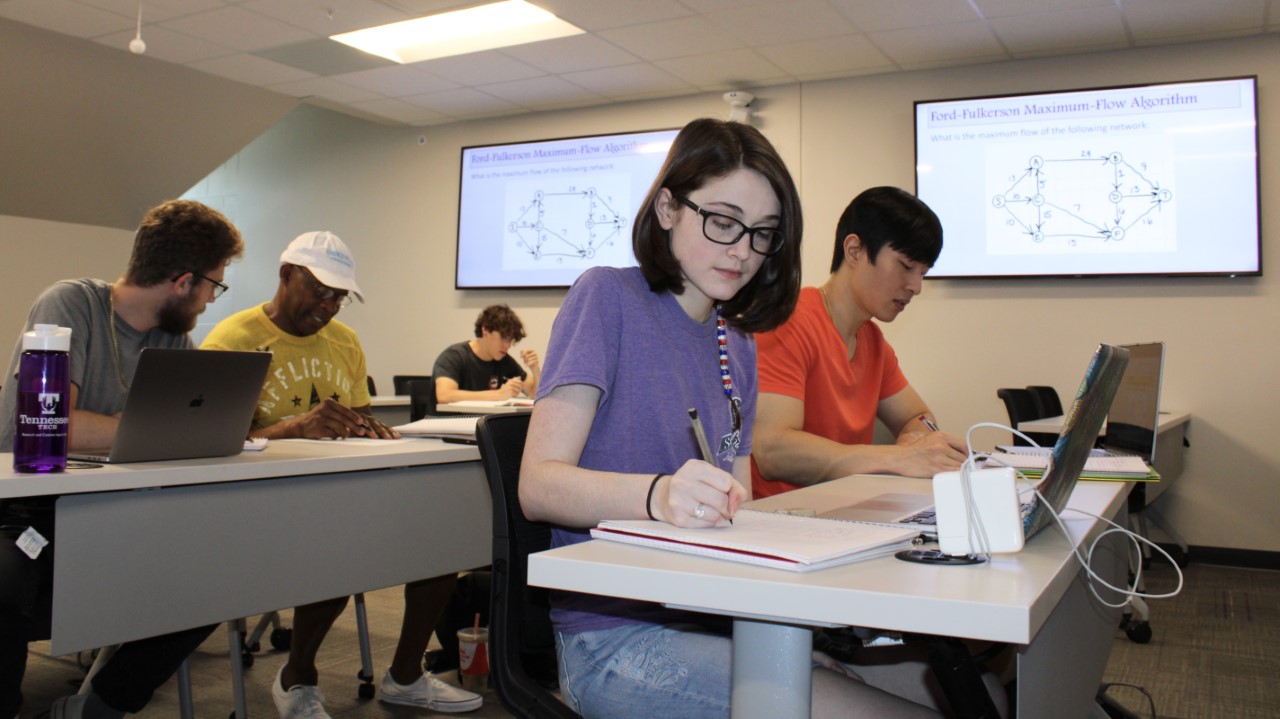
<point>521,641</point>
<point>1046,399</point>
<point>373,388</point>
<point>1021,406</point>
<point>400,382</point>
<point>422,398</point>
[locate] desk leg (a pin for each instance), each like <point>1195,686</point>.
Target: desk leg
<point>772,670</point>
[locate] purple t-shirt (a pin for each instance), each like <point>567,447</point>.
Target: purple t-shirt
<point>651,362</point>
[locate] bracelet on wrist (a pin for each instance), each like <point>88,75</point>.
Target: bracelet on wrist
<point>648,500</point>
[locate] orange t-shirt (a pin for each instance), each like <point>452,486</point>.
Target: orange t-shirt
<point>805,359</point>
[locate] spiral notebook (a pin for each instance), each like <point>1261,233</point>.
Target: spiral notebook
<point>793,543</point>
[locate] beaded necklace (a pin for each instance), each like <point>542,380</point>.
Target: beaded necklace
<point>725,379</point>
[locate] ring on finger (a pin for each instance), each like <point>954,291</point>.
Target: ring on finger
<point>699,511</point>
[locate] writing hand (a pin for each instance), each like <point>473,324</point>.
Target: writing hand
<point>924,455</point>
<point>698,485</point>
<point>513,388</point>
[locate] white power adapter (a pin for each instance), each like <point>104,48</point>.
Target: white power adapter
<point>995,502</point>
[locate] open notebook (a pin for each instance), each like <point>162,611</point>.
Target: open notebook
<point>797,544</point>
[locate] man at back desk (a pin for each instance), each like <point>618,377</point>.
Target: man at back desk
<point>316,389</point>
<point>828,373</point>
<point>483,368</point>
<point>177,265</point>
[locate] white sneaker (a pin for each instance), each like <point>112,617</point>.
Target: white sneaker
<point>302,701</point>
<point>430,693</point>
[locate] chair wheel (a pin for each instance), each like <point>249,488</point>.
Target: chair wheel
<point>365,691</point>
<point>254,648</point>
<point>281,638</point>
<point>246,660</point>
<point>1138,632</point>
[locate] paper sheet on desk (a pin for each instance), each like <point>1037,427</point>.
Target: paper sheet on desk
<point>352,440</point>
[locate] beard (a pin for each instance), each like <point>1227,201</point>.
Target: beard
<point>178,315</point>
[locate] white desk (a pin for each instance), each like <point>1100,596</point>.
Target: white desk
<point>1033,599</point>
<point>391,410</point>
<point>150,548</point>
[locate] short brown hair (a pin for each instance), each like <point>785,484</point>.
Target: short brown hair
<point>705,150</point>
<point>500,319</point>
<point>181,236</point>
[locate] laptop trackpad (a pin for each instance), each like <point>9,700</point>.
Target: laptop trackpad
<point>888,508</point>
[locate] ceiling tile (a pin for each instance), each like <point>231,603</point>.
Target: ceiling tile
<point>594,15</point>
<point>322,56</point>
<point>876,15</point>
<point>567,54</point>
<point>1008,8</point>
<point>672,38</point>
<point>938,43</point>
<point>462,102</point>
<point>327,88</point>
<point>1155,19</point>
<point>238,28</point>
<point>630,81</point>
<point>250,69</point>
<point>1072,29</point>
<point>780,23</point>
<point>730,69</point>
<point>165,44</point>
<point>397,81</point>
<point>154,10</point>
<point>544,92</point>
<point>403,112</point>
<point>479,68</point>
<point>328,17</point>
<point>65,16</point>
<point>714,6</point>
<point>828,57</point>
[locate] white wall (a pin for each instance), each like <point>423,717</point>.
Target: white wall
<point>395,201</point>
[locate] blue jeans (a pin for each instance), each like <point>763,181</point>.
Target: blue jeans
<point>646,671</point>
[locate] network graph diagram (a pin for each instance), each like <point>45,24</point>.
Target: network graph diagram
<point>1082,200</point>
<point>568,225</point>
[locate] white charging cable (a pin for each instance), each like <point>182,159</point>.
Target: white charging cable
<point>1131,592</point>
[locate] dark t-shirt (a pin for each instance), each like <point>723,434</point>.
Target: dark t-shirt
<point>460,364</point>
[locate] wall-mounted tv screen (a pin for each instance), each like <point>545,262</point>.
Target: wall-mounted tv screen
<point>1155,179</point>
<point>538,214</point>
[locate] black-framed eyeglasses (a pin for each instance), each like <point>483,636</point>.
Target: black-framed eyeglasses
<point>324,292</point>
<point>724,230</point>
<point>218,287</point>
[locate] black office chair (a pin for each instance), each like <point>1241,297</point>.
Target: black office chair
<point>400,382</point>
<point>422,398</point>
<point>522,649</point>
<point>373,388</point>
<point>1021,406</point>
<point>1046,399</point>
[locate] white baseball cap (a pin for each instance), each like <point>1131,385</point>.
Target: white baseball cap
<point>328,258</point>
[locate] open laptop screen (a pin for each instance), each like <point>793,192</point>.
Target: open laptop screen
<point>1135,412</point>
<point>1080,428</point>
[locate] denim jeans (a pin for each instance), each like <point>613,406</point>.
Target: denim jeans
<point>647,671</point>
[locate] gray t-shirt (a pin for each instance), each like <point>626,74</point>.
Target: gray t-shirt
<point>85,305</point>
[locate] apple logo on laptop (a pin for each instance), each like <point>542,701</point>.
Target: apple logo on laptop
<point>196,403</point>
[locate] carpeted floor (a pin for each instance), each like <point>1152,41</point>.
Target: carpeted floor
<point>1213,654</point>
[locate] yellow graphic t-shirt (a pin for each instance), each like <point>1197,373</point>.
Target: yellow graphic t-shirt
<point>304,370</point>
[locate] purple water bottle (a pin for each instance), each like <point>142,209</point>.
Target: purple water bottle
<point>44,400</point>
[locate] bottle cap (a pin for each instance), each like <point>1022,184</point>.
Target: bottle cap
<point>47,337</point>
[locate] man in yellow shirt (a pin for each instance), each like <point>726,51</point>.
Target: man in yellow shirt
<point>316,388</point>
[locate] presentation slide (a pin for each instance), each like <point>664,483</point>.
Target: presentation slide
<point>1156,179</point>
<point>538,214</point>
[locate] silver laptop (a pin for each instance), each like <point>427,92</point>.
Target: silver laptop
<point>1080,429</point>
<point>1134,419</point>
<point>185,404</point>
